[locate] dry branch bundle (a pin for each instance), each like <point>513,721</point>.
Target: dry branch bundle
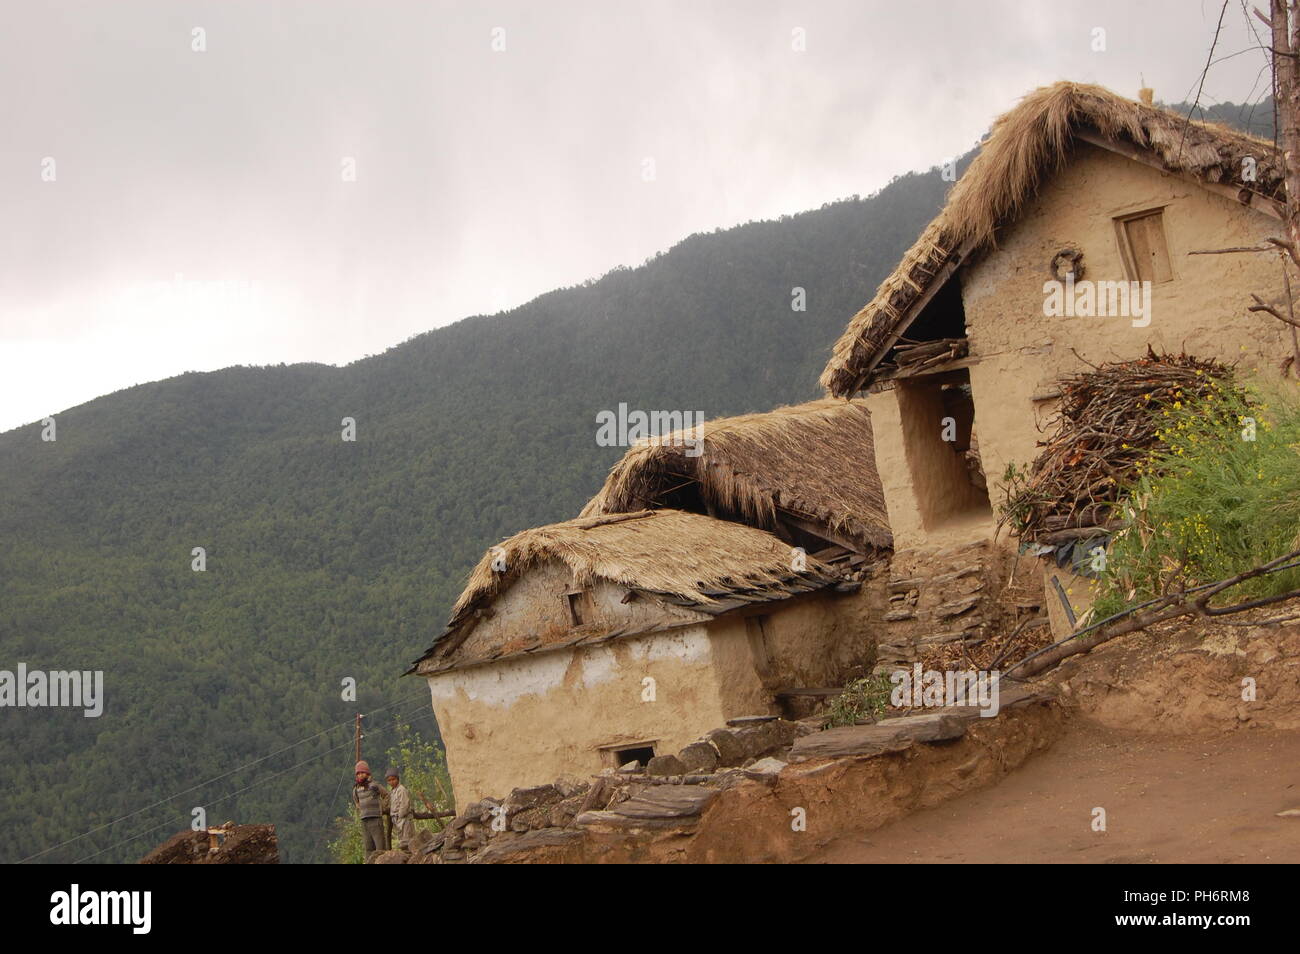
<point>1106,424</point>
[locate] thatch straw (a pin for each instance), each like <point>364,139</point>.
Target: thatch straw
<point>816,460</point>
<point>1024,147</point>
<point>685,558</point>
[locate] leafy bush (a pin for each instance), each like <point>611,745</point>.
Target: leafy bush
<point>862,700</point>
<point>1220,495</point>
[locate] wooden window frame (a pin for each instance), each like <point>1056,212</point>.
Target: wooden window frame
<point>609,754</point>
<point>573,600</point>
<point>1126,246</point>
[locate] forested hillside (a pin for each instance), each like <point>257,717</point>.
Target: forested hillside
<point>329,559</point>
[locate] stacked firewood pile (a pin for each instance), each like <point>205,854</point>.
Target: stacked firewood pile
<point>914,357</point>
<point>1107,424</point>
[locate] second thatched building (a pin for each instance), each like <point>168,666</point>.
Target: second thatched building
<point>734,580</point>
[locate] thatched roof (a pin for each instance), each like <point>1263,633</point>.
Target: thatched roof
<point>687,560</point>
<point>815,460</point>
<point>1024,147</point>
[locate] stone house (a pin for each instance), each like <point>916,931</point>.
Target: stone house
<point>1071,240</point>
<point>586,644</point>
<point>703,582</point>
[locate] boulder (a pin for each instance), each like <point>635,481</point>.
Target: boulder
<point>530,818</point>
<point>597,796</point>
<point>568,786</point>
<point>699,757</point>
<point>887,735</point>
<point>561,814</point>
<point>663,765</point>
<point>955,608</point>
<point>421,840</point>
<point>759,740</point>
<point>730,751</point>
<point>535,796</point>
<point>388,858</point>
<point>475,836</point>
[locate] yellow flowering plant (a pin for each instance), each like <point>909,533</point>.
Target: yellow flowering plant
<point>1218,495</point>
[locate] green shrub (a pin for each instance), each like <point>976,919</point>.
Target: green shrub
<point>862,700</point>
<point>1210,502</point>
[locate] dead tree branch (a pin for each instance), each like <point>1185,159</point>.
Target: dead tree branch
<point>1159,610</point>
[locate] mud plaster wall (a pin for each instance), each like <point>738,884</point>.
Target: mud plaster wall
<point>820,640</point>
<point>527,721</point>
<point>1021,352</point>
<point>1202,308</point>
<point>939,474</point>
<point>910,482</point>
<point>535,604</point>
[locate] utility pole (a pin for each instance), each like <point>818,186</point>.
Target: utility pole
<point>358,736</point>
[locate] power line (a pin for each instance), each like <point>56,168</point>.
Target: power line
<point>1208,60</point>
<point>217,801</point>
<point>246,788</point>
<point>209,781</point>
<point>329,808</point>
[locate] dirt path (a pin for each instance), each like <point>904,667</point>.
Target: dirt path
<point>1173,799</point>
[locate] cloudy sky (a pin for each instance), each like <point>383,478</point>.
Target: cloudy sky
<point>322,180</point>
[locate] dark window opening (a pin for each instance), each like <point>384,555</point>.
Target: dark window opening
<point>574,600</point>
<point>680,493</point>
<point>795,536</point>
<point>942,320</point>
<point>641,753</point>
<point>943,317</point>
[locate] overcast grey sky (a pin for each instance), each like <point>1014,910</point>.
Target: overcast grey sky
<point>199,214</point>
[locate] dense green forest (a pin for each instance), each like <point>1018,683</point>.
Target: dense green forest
<point>329,559</point>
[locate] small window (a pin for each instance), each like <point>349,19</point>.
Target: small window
<point>1142,243</point>
<point>574,600</point>
<point>643,755</point>
<point>616,756</point>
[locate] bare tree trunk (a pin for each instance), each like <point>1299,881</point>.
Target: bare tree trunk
<point>1285,26</point>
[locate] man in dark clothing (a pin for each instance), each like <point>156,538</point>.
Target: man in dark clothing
<point>370,799</point>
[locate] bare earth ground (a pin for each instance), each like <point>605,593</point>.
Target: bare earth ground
<point>1161,738</point>
<point>1206,799</point>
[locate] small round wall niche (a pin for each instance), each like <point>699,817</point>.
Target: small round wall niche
<point>1067,263</point>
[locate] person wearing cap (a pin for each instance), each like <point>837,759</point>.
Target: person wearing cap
<point>370,797</point>
<point>400,810</point>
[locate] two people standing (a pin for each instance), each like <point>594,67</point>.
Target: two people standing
<point>374,802</point>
